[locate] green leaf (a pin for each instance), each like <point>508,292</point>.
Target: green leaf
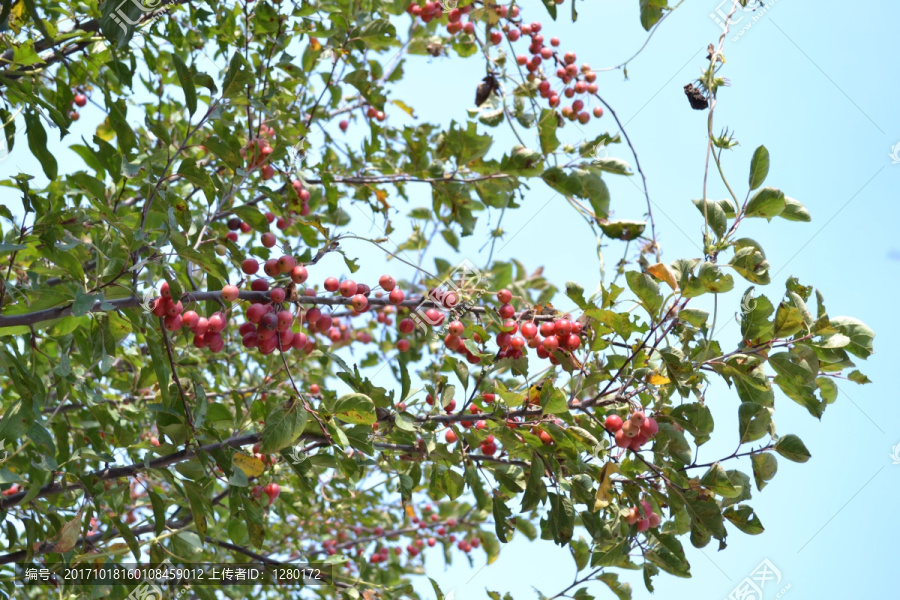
<point>795,211</point>
<point>765,466</point>
<point>766,203</point>
<point>84,303</point>
<point>791,447</point>
<point>751,264</point>
<point>714,214</point>
<point>501,513</point>
<point>651,12</point>
<point>861,337</point>
<point>239,76</point>
<point>198,505</point>
<point>576,293</point>
<point>547,125</point>
<point>753,421</point>
<point>759,167</point>
<point>252,216</point>
<point>616,166</point>
<point>187,83</point>
<point>37,143</point>
<point>355,408</point>
<point>227,150</point>
<point>621,229</point>
<point>857,377</point>
<point>562,518</point>
<point>282,427</point>
<point>744,518</point>
<point>647,291</point>
<point>581,552</point>
<point>717,481</point>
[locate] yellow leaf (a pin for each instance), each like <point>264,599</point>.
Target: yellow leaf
<point>410,511</point>
<point>68,535</point>
<point>603,497</point>
<point>381,195</point>
<point>404,107</point>
<point>250,465</point>
<point>314,45</point>
<point>665,274</point>
<point>657,379</point>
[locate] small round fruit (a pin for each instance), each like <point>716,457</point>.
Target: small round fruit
<point>277,295</point>
<point>268,239</point>
<point>359,302</point>
<point>331,284</point>
<point>80,100</point>
<point>456,328</point>
<point>347,288</point>
<point>299,274</point>
<point>250,266</point>
<point>622,440</point>
<point>387,283</point>
<point>259,285</point>
<point>396,296</point>
<point>450,436</point>
<point>403,345</point>
<point>504,296</point>
<point>230,293</point>
<point>613,423</point>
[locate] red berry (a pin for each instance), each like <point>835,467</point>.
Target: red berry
<point>450,436</point>
<point>613,423</point>
<point>259,285</point>
<point>268,239</point>
<point>230,293</point>
<point>277,295</point>
<point>506,311</point>
<point>359,302</point>
<point>504,296</point>
<point>403,345</point>
<point>249,266</point>
<point>299,274</point>
<point>80,100</point>
<point>344,125</point>
<point>396,296</point>
<point>347,288</point>
<point>406,325</point>
<point>331,284</point>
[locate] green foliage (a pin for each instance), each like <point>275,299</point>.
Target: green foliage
<point>124,437</point>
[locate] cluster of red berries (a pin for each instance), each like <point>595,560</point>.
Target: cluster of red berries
<point>633,433</point>
<point>382,552</point>
<point>271,490</point>
<point>79,100</point>
<point>257,152</point>
<point>551,335</point>
<point>207,331</point>
<point>583,80</point>
<point>650,519</point>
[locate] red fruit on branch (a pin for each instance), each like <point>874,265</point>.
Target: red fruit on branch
<point>613,423</point>
<point>230,293</point>
<point>250,266</point>
<point>387,283</point>
<point>268,239</point>
<point>450,437</point>
<point>299,274</point>
<point>331,284</point>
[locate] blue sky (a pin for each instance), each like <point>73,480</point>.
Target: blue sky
<point>810,84</point>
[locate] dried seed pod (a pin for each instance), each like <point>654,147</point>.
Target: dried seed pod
<point>695,97</point>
